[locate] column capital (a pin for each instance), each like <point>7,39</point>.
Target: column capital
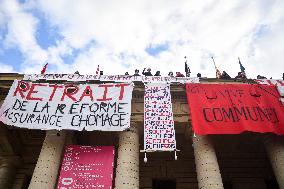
<point>55,133</point>
<point>268,138</point>
<point>136,124</point>
<point>201,138</point>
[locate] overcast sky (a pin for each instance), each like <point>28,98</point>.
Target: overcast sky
<point>123,35</point>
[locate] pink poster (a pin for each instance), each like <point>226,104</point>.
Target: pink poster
<point>86,167</point>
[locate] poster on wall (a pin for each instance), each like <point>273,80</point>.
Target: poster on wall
<point>159,132</point>
<point>86,167</point>
<point>105,107</point>
<point>235,108</point>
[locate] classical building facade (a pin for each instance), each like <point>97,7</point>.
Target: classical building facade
<point>32,158</point>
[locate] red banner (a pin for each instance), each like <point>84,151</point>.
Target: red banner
<point>86,167</point>
<point>235,108</point>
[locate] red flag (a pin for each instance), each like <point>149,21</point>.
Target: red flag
<point>44,69</point>
<point>98,70</point>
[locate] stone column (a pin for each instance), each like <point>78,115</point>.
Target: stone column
<point>274,146</point>
<point>48,164</point>
<point>207,168</point>
<point>7,171</point>
<point>127,170</point>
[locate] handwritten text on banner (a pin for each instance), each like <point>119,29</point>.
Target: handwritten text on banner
<point>105,107</point>
<point>235,108</point>
<point>113,78</point>
<point>86,167</point>
<point>159,132</point>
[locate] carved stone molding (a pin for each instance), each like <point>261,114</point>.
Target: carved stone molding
<point>10,161</point>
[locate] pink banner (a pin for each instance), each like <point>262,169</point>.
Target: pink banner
<point>86,167</point>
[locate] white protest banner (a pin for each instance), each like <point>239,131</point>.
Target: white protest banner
<point>281,92</point>
<point>105,107</point>
<point>113,78</point>
<point>277,82</point>
<point>159,132</point>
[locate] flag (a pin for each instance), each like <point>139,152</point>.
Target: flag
<point>241,66</point>
<point>44,69</point>
<point>218,73</point>
<point>185,67</point>
<point>98,70</point>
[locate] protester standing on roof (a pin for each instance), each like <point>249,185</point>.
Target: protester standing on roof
<point>136,73</point>
<point>157,73</point>
<point>186,68</point>
<point>225,75</point>
<point>148,73</point>
<point>178,74</point>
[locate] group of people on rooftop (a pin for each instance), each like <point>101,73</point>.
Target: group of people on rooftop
<point>147,72</point>
<point>224,75</point>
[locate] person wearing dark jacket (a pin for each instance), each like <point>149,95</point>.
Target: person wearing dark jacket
<point>136,73</point>
<point>148,73</point>
<point>225,75</point>
<point>241,75</point>
<point>157,73</point>
<point>260,77</point>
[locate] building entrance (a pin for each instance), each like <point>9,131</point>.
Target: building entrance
<point>164,184</point>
